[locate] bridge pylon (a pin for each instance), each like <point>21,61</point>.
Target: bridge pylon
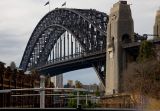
<point>120,30</point>
<point>157,25</point>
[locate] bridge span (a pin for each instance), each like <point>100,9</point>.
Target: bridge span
<point>68,39</point>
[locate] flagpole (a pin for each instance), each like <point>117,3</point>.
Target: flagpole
<point>64,5</point>
<point>49,5</point>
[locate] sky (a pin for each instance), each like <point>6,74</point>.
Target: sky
<point>19,18</point>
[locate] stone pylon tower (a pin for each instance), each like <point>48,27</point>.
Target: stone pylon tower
<point>157,25</point>
<point>119,31</point>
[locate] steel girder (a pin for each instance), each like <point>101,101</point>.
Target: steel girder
<point>100,69</point>
<point>88,27</point>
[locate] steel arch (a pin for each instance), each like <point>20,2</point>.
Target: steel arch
<point>83,24</point>
<point>49,45</point>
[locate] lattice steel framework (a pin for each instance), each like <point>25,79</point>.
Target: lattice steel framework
<point>87,26</point>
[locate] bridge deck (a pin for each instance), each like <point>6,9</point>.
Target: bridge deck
<point>85,61</point>
<point>136,44</point>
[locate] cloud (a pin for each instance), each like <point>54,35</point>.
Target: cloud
<point>144,15</point>
<point>18,20</point>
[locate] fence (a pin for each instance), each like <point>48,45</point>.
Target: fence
<point>43,97</point>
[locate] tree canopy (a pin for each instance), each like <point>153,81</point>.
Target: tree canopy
<point>143,76</point>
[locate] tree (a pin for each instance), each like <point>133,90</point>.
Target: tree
<point>72,103</point>
<point>78,84</point>
<point>12,65</point>
<point>146,52</point>
<point>143,76</point>
<point>97,92</point>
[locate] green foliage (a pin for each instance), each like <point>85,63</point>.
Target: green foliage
<point>143,77</point>
<point>78,84</point>
<point>91,105</point>
<point>72,103</point>
<point>146,51</point>
<point>97,92</point>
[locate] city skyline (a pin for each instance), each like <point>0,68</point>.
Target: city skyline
<point>19,18</point>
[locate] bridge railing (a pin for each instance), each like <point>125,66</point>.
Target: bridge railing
<point>53,98</point>
<point>63,98</point>
<point>74,56</point>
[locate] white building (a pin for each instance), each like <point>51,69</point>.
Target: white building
<point>58,81</point>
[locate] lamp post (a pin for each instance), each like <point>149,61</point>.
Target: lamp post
<point>42,91</point>
<point>77,98</point>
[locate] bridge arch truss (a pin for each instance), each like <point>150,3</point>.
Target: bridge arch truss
<point>87,27</point>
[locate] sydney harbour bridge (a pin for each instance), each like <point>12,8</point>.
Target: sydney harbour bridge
<point>68,39</point>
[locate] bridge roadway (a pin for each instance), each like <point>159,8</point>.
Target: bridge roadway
<point>133,48</point>
<point>80,62</point>
<point>137,44</point>
<point>86,60</point>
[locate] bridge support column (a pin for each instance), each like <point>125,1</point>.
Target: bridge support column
<point>157,25</point>
<point>119,30</point>
<point>42,91</point>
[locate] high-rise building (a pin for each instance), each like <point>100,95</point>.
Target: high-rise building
<point>157,25</point>
<point>70,83</point>
<point>58,81</point>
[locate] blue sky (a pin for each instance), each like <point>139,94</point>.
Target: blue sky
<point>19,18</point>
